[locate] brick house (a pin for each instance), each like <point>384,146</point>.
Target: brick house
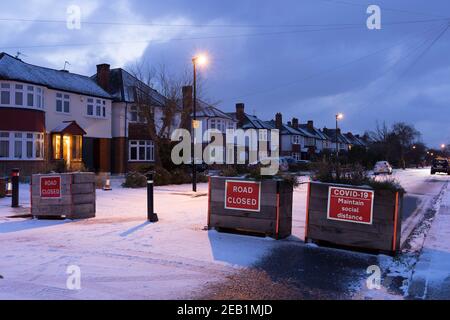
<point>50,116</point>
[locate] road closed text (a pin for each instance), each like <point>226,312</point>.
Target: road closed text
<point>242,195</point>
<point>350,205</point>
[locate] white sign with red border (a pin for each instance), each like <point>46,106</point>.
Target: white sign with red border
<point>243,195</point>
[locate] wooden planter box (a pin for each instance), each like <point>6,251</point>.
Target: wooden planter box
<point>72,198</point>
<point>383,234</point>
<point>269,213</point>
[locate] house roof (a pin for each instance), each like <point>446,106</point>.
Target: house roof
<point>15,69</point>
<point>288,130</point>
<point>252,122</point>
<point>206,110</point>
<point>357,141</point>
<point>69,127</point>
<point>331,133</point>
<point>314,132</point>
<point>122,86</point>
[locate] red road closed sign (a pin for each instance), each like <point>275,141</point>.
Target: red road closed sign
<point>51,187</point>
<point>242,195</point>
<point>350,205</point>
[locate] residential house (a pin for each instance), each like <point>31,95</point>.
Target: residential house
<point>210,118</point>
<point>336,136</point>
<point>318,141</point>
<point>292,137</point>
<point>355,140</point>
<point>246,121</point>
<point>132,143</point>
<point>49,116</point>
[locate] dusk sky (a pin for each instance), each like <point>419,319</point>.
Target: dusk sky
<point>305,58</point>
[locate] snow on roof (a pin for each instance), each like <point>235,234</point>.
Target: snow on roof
<point>208,111</point>
<point>289,130</point>
<point>122,87</point>
<point>15,69</point>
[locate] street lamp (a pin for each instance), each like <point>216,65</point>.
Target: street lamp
<point>443,147</point>
<point>200,60</point>
<point>339,116</point>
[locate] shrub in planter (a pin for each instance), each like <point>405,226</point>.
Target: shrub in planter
<point>135,180</point>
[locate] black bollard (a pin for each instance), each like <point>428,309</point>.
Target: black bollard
<point>151,215</point>
<point>15,188</point>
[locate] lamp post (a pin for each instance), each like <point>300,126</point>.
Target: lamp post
<point>200,60</point>
<point>443,147</point>
<point>339,116</point>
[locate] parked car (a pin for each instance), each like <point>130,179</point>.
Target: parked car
<point>382,167</point>
<point>284,163</point>
<point>440,165</point>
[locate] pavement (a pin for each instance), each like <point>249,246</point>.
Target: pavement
<point>431,277</point>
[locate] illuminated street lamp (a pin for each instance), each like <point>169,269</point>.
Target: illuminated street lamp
<point>443,148</point>
<point>339,116</point>
<point>201,60</point>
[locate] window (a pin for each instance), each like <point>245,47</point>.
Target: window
<point>141,150</point>
<point>30,96</point>
<point>21,145</point>
<point>90,107</point>
<point>136,115</point>
<point>262,134</point>
<point>62,103</point>
<point>295,139</point>
<point>16,94</point>
<point>19,95</point>
<point>4,145</point>
<point>56,146</point>
<point>77,147</point>
<point>5,95</point>
<point>98,108</point>
<point>297,156</point>
<point>39,98</point>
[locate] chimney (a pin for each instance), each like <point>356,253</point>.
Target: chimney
<point>240,113</point>
<point>187,107</point>
<point>289,124</point>
<point>278,121</point>
<point>103,76</point>
<point>310,125</point>
<point>295,123</point>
